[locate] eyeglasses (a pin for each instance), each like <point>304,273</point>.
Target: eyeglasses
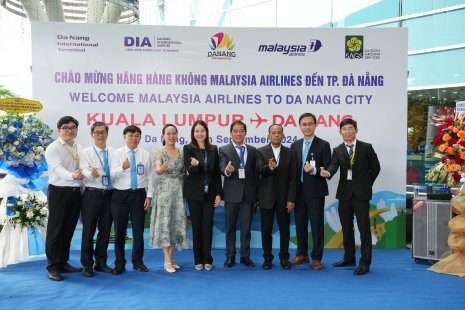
<point>64,128</point>
<point>100,133</point>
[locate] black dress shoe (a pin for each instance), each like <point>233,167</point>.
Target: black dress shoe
<point>88,272</point>
<point>140,267</point>
<point>247,262</point>
<point>55,276</point>
<point>68,268</point>
<point>229,262</point>
<point>285,264</point>
<point>267,265</point>
<point>361,270</point>
<point>103,268</point>
<point>118,270</point>
<point>345,262</point>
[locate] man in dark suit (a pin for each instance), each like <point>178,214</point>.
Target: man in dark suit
<point>359,169</point>
<point>237,164</point>
<point>312,152</point>
<point>277,191</point>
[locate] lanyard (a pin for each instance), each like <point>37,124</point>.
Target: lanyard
<point>75,157</point>
<point>104,166</point>
<point>352,158</point>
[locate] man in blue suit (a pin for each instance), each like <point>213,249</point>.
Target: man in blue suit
<point>237,164</point>
<point>312,152</point>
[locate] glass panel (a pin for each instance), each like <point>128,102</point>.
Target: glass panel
<point>177,12</point>
<point>422,104</point>
<point>415,6</point>
<point>387,25</point>
<point>260,15</point>
<point>351,13</point>
<point>438,68</point>
<point>445,29</point>
<point>303,13</point>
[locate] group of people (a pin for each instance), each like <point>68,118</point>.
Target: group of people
<point>110,186</point>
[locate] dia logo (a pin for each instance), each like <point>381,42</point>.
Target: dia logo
<point>137,41</point>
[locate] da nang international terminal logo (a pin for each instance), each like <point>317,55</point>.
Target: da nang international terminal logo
<point>222,46</point>
<point>354,47</point>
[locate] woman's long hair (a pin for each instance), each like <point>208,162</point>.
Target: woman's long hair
<point>194,142</point>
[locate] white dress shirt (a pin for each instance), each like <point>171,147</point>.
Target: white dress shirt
<point>122,178</point>
<point>62,160</point>
<point>89,159</point>
<point>276,152</point>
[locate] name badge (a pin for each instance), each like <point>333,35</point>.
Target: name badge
<point>140,169</point>
<point>105,180</point>
<point>241,173</point>
<point>349,175</point>
<point>206,189</point>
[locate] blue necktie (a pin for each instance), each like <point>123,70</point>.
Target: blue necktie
<point>106,167</point>
<point>132,161</point>
<point>304,158</point>
<point>351,149</point>
<point>241,155</point>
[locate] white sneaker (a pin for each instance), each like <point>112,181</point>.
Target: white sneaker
<point>198,267</point>
<point>208,267</point>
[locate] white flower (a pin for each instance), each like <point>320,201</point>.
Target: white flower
<point>30,214</point>
<point>12,148</point>
<point>4,126</point>
<point>43,211</point>
<point>16,143</point>
<point>11,129</point>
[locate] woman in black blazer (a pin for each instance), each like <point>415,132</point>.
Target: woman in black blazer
<point>202,189</point>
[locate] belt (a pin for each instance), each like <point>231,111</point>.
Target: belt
<point>95,189</point>
<point>137,190</point>
<point>73,188</point>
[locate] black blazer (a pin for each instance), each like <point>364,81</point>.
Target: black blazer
<point>365,170</point>
<point>280,184</point>
<point>194,183</point>
<point>313,185</point>
<point>234,188</point>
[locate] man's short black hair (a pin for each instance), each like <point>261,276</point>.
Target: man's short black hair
<point>238,123</point>
<point>307,115</point>
<point>132,129</point>
<point>66,120</point>
<point>96,124</point>
<point>348,121</point>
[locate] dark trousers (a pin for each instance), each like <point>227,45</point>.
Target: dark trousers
<point>243,210</point>
<point>202,230</point>
<point>127,204</point>
<point>267,221</point>
<point>64,205</point>
<point>361,209</point>
<point>313,209</point>
<point>95,211</point>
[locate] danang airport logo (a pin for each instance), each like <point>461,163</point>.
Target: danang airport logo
<point>291,49</point>
<point>221,46</point>
<point>159,44</point>
<point>354,47</point>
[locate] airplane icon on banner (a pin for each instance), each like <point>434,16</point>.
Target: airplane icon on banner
<point>259,120</point>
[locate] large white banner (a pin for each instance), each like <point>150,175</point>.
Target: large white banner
<point>152,75</point>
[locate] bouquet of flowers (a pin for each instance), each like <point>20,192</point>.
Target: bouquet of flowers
<point>449,145</point>
<point>26,212</point>
<point>24,139</point>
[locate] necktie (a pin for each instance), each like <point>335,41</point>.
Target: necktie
<point>132,161</point>
<point>351,153</point>
<point>106,167</point>
<point>241,155</point>
<point>304,158</point>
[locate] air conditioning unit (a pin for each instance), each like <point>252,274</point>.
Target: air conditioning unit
<point>430,230</point>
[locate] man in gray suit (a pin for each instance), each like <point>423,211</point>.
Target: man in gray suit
<point>237,164</point>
